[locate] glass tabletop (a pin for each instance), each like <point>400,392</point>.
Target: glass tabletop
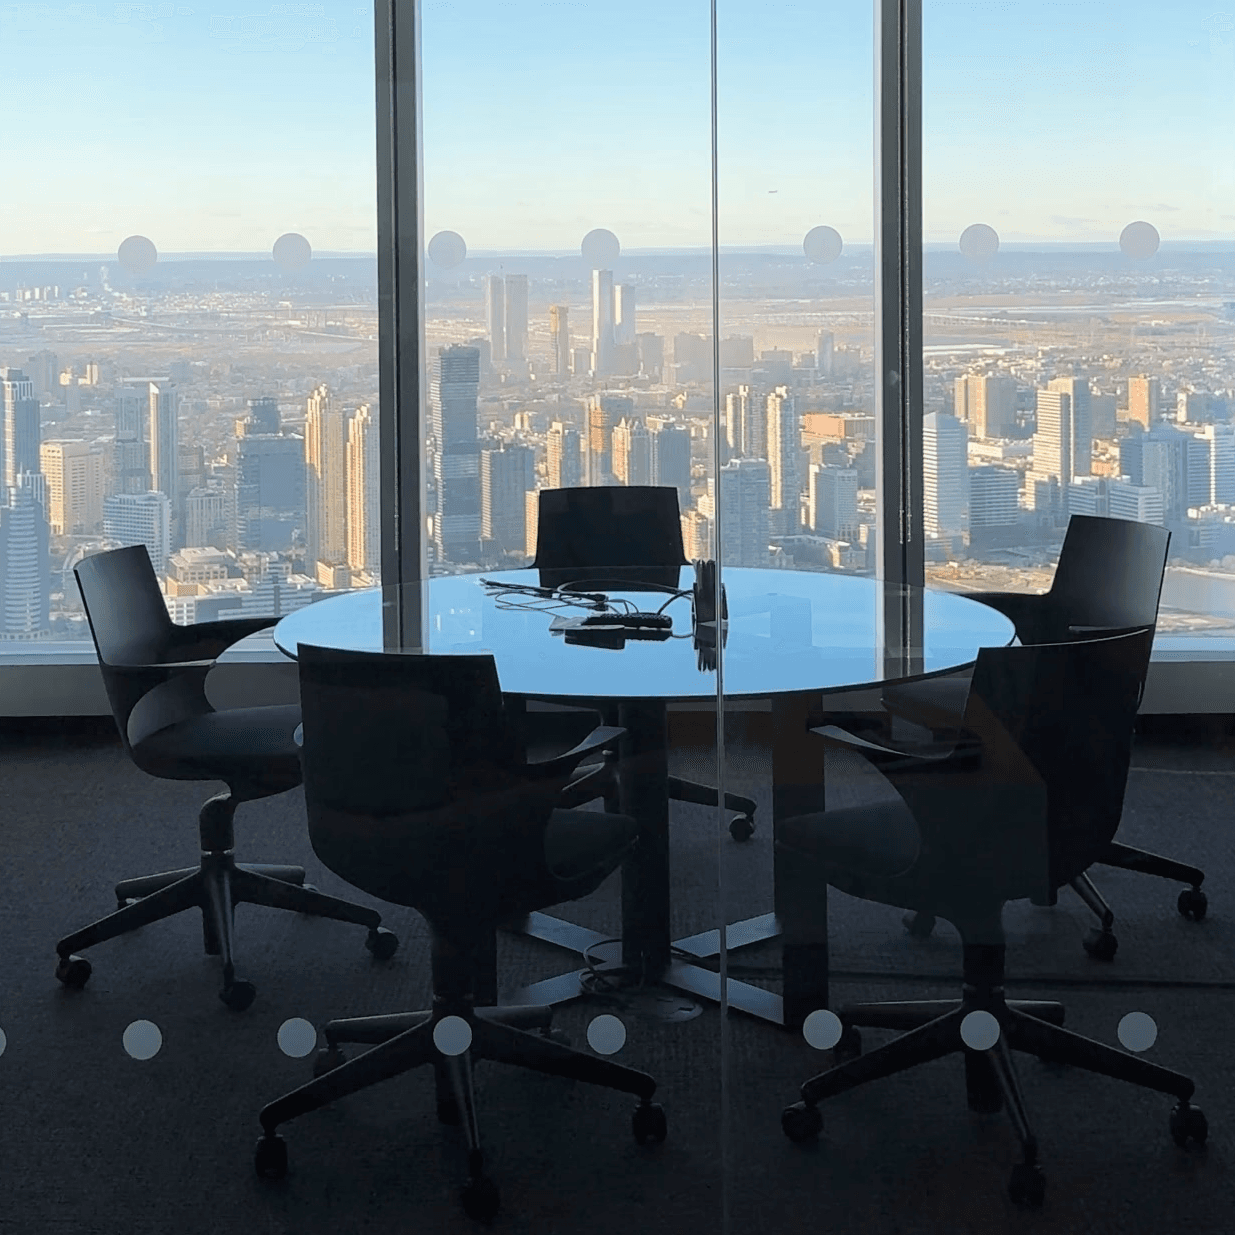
<point>787,631</point>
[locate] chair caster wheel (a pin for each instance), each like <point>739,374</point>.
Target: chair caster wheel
<point>849,1046</point>
<point>327,1060</point>
<point>1193,903</point>
<point>801,1123</point>
<point>742,828</point>
<point>480,1198</point>
<point>270,1158</point>
<point>238,995</point>
<point>382,943</point>
<point>1188,1124</point>
<point>1027,1186</point>
<point>919,925</point>
<point>1101,945</point>
<point>648,1123</point>
<point>74,971</point>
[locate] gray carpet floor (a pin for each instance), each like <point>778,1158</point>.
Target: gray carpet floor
<point>93,1141</point>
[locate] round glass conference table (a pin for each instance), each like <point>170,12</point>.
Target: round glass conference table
<point>792,637</point>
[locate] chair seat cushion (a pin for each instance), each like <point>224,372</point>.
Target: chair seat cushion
<point>937,703</point>
<point>581,843</point>
<point>252,750</point>
<point>879,840</point>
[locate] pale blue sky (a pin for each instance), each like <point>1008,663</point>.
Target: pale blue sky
<point>217,126</point>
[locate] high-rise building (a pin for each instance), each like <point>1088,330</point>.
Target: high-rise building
<point>25,573</point>
<point>632,453</point>
<point>454,386</point>
<point>746,423</point>
<point>516,318</point>
<point>602,321</point>
<point>604,411</point>
<point>1160,460</point>
<point>364,511</point>
<point>945,475</point>
<point>1221,442</point>
<point>140,519</point>
<point>671,458</point>
<point>1053,440</point>
<point>559,336</point>
<point>325,482</point>
<point>651,349</point>
<point>825,350</point>
<point>75,476</point>
<point>745,498</point>
<point>696,535</point>
<point>495,317</point>
<point>270,490</point>
<point>43,369</point>
<point>987,404</point>
<point>1144,395</point>
<point>209,516</point>
<point>1077,389</point>
<point>624,314</point>
<point>264,415</point>
<point>507,475</point>
<point>783,455</point>
<point>832,502</point>
<point>147,437</point>
<point>1140,503</point>
<point>992,498</point>
<point>19,426</point>
<point>563,457</point>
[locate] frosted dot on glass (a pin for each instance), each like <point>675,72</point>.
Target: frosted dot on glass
<point>822,1029</point>
<point>137,254</point>
<point>1140,240</point>
<point>297,1037</point>
<point>292,251</point>
<point>142,1040</point>
<point>979,242</point>
<point>600,248</point>
<point>822,245</point>
<point>3,1041</point>
<point>1138,1031</point>
<point>606,1034</point>
<point>979,1031</point>
<point>447,250</point>
<point>452,1035</point>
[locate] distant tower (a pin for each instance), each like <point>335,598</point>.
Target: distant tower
<point>746,421</point>
<point>671,460</point>
<point>833,502</point>
<point>454,385</point>
<point>559,334</point>
<point>264,415</point>
<point>74,474</point>
<point>516,317</point>
<point>1053,440</point>
<point>325,482</point>
<point>825,348</point>
<point>507,475</point>
<point>25,573</point>
<point>364,510</point>
<point>1144,395</point>
<point>19,412</point>
<point>632,453</point>
<point>945,475</point>
<point>623,314</point>
<point>602,321</point>
<point>745,488</point>
<point>784,449</point>
<point>563,459</point>
<point>140,519</point>
<point>495,318</point>
<point>1077,389</point>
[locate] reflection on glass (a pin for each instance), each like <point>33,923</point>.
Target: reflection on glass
<point>188,348</point>
<point>1079,354</point>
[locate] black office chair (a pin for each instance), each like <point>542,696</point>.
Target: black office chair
<point>1024,799</point>
<point>1109,577</point>
<point>628,537</point>
<point>155,675</point>
<point>416,792</point>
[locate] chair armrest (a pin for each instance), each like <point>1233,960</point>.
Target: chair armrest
<point>214,638</point>
<point>960,752</point>
<point>162,666</point>
<point>603,737</point>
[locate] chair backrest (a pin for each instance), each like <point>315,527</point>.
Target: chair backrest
<point>624,534</point>
<point>130,625</point>
<point>1110,573</point>
<point>1063,714</point>
<point>412,778</point>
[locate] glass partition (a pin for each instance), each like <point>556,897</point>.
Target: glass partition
<point>568,446</point>
<point>188,310</point>
<point>1079,280</point>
